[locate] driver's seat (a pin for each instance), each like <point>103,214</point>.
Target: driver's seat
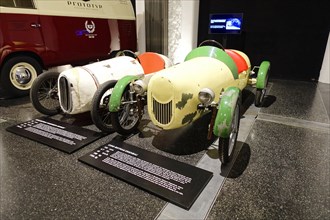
<point>151,62</point>
<point>239,60</point>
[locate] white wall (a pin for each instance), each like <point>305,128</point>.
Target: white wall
<point>325,70</point>
<point>183,27</point>
<point>140,25</point>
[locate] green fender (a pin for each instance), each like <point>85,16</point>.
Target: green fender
<point>262,75</point>
<point>118,91</point>
<point>222,124</point>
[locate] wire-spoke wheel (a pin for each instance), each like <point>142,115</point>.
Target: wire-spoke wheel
<point>127,119</point>
<point>100,107</point>
<point>44,94</point>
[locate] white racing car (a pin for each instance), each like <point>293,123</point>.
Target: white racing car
<point>72,91</point>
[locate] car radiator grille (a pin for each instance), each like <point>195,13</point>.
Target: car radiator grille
<point>162,112</point>
<point>65,94</point>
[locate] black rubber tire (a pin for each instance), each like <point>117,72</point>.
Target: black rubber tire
<point>44,93</point>
<point>117,118</point>
<point>7,76</point>
<point>100,107</point>
<point>260,94</point>
<point>226,145</point>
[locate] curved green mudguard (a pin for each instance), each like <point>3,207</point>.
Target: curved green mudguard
<point>222,124</point>
<point>262,75</point>
<point>118,91</point>
<point>214,52</point>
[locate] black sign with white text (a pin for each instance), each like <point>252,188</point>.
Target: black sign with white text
<point>174,181</point>
<point>56,134</point>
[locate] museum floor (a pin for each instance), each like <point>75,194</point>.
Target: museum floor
<point>280,169</point>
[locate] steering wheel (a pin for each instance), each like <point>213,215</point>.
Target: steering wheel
<point>211,43</point>
<point>127,53</point>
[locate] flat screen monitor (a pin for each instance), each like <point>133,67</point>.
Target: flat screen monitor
<point>225,23</point>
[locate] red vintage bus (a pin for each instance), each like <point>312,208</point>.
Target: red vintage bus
<point>38,34</point>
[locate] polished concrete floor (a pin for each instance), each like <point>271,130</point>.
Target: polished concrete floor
<point>280,169</point>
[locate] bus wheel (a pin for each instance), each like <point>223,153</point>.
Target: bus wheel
<point>18,74</point>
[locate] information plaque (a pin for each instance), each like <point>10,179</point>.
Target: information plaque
<point>174,181</point>
<point>56,134</point>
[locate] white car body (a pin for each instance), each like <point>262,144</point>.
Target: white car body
<point>78,85</point>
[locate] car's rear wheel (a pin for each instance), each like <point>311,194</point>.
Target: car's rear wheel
<point>226,145</point>
<point>18,74</point>
<point>100,107</point>
<point>261,93</point>
<point>260,96</point>
<point>262,83</point>
<point>127,119</point>
<point>44,94</point>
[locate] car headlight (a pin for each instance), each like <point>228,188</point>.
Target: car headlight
<point>139,87</point>
<point>206,96</point>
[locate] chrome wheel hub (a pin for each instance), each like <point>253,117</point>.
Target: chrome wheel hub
<point>22,75</point>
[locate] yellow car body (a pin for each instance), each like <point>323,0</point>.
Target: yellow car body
<point>173,92</point>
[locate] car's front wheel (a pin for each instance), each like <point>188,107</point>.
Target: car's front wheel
<point>44,94</point>
<point>100,107</point>
<point>226,145</point>
<point>126,120</point>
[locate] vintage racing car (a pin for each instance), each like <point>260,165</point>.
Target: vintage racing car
<point>209,80</point>
<point>79,89</point>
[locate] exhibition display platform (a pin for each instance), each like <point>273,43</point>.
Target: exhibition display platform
<point>279,170</point>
